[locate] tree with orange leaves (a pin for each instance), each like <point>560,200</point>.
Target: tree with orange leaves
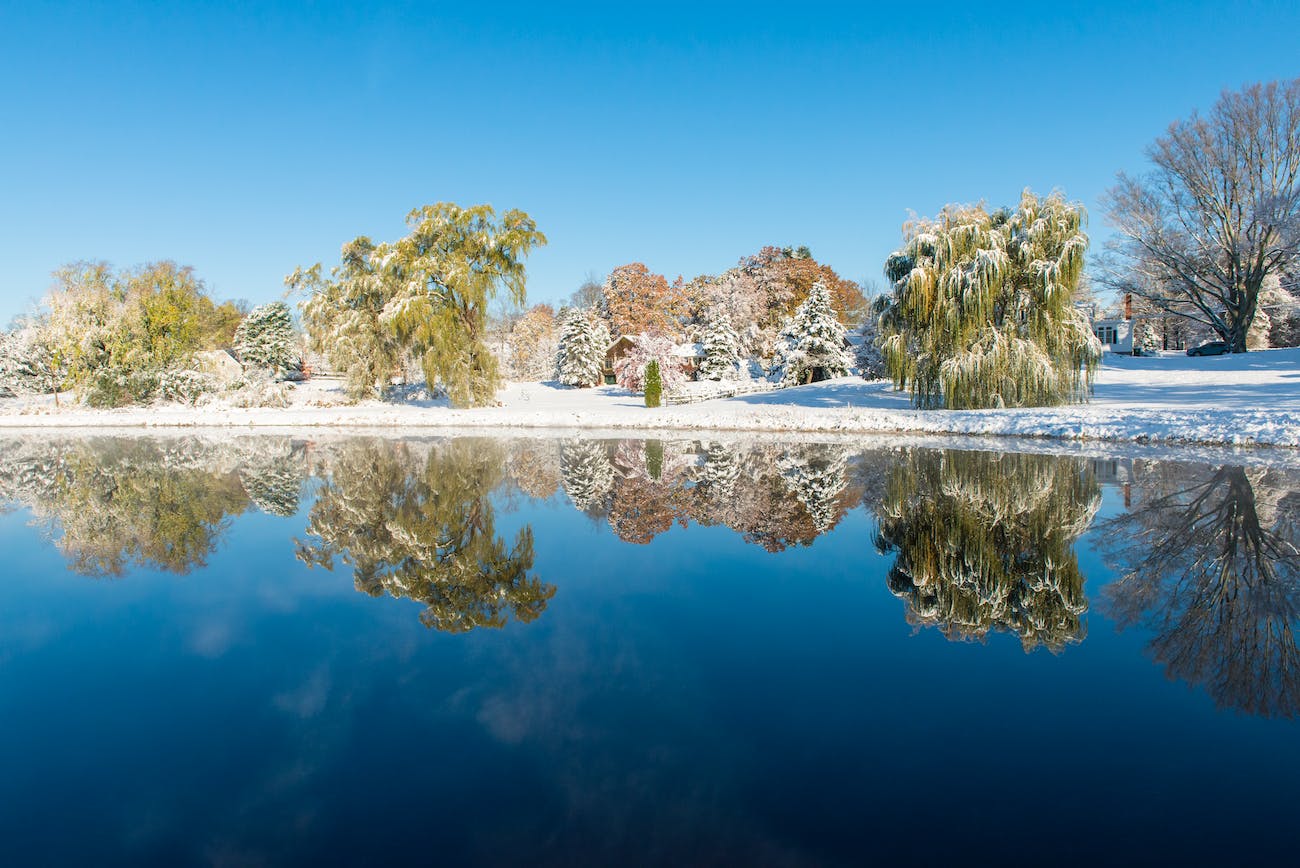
<point>637,301</point>
<point>787,275</point>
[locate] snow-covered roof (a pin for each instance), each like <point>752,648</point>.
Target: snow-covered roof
<point>688,350</point>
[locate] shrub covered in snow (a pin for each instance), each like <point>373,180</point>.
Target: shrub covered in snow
<point>185,386</point>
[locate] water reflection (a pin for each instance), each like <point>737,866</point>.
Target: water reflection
<point>985,542</point>
<point>1208,557</point>
<point>1210,565</point>
<point>416,522</point>
<point>114,505</point>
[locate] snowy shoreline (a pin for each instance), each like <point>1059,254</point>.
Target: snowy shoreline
<point>1249,400</point>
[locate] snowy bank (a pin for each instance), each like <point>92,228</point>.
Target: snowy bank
<point>1248,400</point>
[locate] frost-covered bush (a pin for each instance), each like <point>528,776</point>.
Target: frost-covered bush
<point>109,387</point>
<point>812,342</point>
<point>185,386</point>
<point>265,339</point>
<point>253,390</point>
<point>630,368</point>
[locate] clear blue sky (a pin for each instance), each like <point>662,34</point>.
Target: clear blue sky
<point>244,139</point>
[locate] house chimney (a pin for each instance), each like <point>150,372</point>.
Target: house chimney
<point>1128,305</point>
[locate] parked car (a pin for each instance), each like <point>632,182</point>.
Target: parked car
<point>1213,348</point>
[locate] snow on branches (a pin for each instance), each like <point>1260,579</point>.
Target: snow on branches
<point>265,340</point>
<point>721,347</point>
<point>629,369</point>
<point>813,342</point>
<point>584,340</point>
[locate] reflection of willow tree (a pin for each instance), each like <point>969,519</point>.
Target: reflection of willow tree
<point>110,505</point>
<point>1210,565</point>
<point>424,528</point>
<point>984,543</point>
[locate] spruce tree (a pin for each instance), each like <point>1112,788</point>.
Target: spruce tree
<point>264,338</point>
<point>721,347</point>
<point>813,342</point>
<point>653,384</point>
<point>580,357</point>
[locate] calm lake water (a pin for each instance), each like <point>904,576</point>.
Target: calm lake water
<point>274,650</point>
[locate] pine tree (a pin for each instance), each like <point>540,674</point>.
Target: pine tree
<point>982,309</point>
<point>264,339</point>
<point>653,385</point>
<point>584,340</point>
<point>721,347</point>
<point>813,342</point>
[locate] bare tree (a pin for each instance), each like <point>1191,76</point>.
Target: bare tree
<point>1220,213</point>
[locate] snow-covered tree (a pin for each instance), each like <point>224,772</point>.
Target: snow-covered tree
<point>1146,342</point>
<point>580,355</point>
<point>588,476</point>
<point>867,356</point>
<point>265,339</point>
<point>982,309</point>
<point>812,342</point>
<point>630,368</point>
<point>425,295</point>
<point>721,347</point>
<point>533,344</point>
<point>27,364</point>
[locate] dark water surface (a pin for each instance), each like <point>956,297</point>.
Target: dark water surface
<point>276,650</point>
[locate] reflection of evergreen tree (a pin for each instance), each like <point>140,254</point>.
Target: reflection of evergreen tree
<point>1210,564</point>
<point>816,474</point>
<point>425,529</point>
<point>273,476</point>
<point>111,505</point>
<point>984,543</point>
<point>720,473</point>
<point>587,474</point>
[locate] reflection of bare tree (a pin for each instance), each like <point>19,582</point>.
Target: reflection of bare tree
<point>1210,565</point>
<point>985,543</point>
<point>113,504</point>
<point>534,468</point>
<point>424,528</point>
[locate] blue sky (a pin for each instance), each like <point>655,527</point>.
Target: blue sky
<point>244,139</point>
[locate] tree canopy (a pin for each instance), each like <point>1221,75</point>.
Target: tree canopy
<point>982,310</point>
<point>425,294</point>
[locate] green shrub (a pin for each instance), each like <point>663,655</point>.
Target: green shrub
<point>653,384</point>
<point>118,388</point>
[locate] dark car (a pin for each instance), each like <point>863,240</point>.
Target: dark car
<point>1213,348</point>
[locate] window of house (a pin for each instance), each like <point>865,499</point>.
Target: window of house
<point>1106,334</point>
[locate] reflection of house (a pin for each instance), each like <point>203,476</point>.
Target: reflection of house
<point>690,354</point>
<point>1114,472</point>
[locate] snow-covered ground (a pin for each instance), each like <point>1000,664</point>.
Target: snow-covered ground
<point>1252,399</point>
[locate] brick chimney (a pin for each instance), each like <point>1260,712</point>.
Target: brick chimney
<point>1128,305</point>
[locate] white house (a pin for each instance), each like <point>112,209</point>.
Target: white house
<point>1115,333</point>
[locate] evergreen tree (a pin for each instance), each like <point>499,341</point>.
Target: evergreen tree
<point>580,358</point>
<point>813,342</point>
<point>721,347</point>
<point>982,309</point>
<point>817,476</point>
<point>653,385</point>
<point>264,338</point>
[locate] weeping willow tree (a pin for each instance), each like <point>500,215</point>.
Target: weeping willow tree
<point>425,294</point>
<point>424,528</point>
<point>985,543</point>
<point>982,310</point>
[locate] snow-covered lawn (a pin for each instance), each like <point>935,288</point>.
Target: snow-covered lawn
<point>1253,399</point>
